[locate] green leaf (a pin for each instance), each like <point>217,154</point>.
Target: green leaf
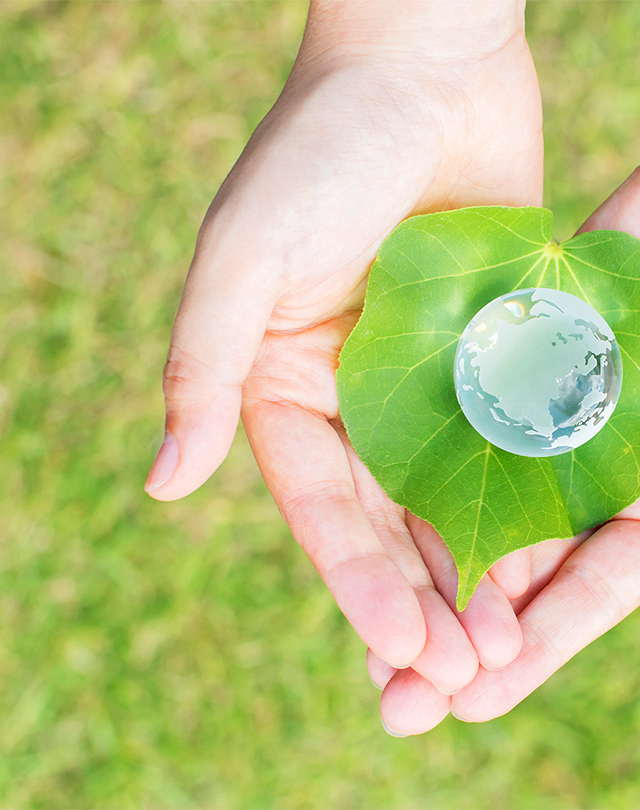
<point>396,389</point>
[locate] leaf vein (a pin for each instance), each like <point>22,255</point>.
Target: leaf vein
<point>515,491</point>
<point>573,276</point>
<point>487,453</point>
<point>633,452</point>
<point>404,377</point>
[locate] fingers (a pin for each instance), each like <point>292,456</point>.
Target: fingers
<point>448,659</point>
<point>513,573</point>
<point>227,301</point>
<point>305,466</point>
<point>546,560</point>
<point>595,589</point>
<point>387,519</point>
<point>620,211</point>
<point>411,705</point>
<point>488,619</point>
<point>379,671</point>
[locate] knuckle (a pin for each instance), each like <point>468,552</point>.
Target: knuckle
<point>302,505</point>
<point>595,589</point>
<point>545,646</point>
<point>182,374</point>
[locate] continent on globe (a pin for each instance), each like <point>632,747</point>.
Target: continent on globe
<point>538,372</point>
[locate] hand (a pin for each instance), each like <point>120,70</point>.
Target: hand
<point>399,113</point>
<point>580,588</point>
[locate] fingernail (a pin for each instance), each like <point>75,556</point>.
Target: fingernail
<point>390,731</point>
<point>457,716</point>
<point>165,464</point>
<point>377,685</point>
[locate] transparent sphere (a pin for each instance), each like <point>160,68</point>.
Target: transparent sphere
<point>538,372</point>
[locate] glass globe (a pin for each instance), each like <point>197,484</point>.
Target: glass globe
<point>538,372</point>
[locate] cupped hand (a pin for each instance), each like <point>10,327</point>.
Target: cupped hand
<point>579,588</point>
<point>363,136</point>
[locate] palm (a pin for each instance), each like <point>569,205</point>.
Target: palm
<point>351,148</point>
<point>369,177</point>
<point>370,144</point>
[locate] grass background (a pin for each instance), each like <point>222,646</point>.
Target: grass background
<point>186,655</point>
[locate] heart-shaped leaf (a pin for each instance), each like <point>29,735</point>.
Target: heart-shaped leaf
<point>396,388</point>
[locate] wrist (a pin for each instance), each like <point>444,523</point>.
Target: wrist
<point>441,30</point>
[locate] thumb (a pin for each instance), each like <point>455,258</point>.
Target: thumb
<point>620,211</point>
<point>227,300</point>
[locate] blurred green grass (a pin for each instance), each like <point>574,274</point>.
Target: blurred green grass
<point>186,655</point>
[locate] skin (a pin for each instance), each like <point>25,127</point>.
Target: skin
<point>411,114</point>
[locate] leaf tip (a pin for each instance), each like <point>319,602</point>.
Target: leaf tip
<point>462,598</point>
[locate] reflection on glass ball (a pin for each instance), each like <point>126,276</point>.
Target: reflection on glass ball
<point>538,372</point>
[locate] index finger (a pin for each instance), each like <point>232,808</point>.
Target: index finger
<point>305,466</point>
